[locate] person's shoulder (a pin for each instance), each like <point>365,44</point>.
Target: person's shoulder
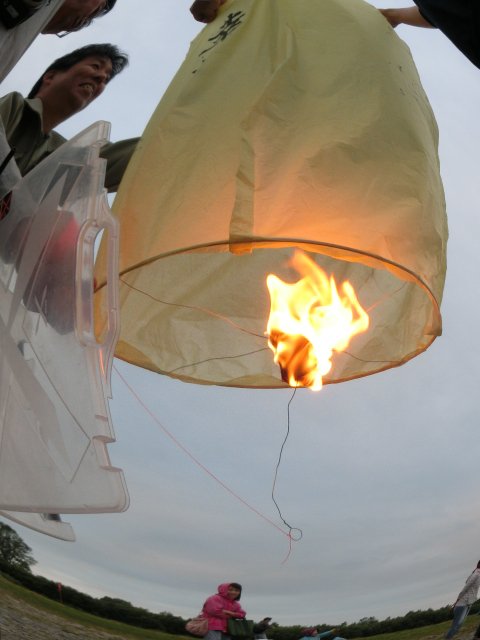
<point>474,577</point>
<point>214,595</point>
<point>16,103</point>
<point>13,98</point>
<point>12,106</point>
<point>57,138</point>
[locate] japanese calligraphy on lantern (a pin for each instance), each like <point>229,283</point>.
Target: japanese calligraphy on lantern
<point>232,21</point>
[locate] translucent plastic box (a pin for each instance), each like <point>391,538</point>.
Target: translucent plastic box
<point>55,423</point>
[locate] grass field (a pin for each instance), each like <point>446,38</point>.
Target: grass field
<point>58,621</point>
<point>38,607</point>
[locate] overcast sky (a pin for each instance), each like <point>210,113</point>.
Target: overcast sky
<point>381,474</point>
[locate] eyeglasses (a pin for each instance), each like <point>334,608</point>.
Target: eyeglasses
<point>81,23</point>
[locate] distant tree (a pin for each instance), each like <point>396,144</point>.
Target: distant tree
<point>14,552</point>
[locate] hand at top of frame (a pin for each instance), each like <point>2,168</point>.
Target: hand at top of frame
<point>206,10</point>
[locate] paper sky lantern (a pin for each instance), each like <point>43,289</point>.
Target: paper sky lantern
<point>292,125</point>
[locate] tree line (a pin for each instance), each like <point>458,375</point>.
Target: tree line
<point>16,561</point>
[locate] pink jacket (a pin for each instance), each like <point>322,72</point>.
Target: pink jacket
<point>214,605</point>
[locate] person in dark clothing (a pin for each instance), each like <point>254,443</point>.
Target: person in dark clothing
<point>260,628</point>
<point>459,20</point>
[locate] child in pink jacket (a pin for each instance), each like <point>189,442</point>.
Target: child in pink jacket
<point>220,607</point>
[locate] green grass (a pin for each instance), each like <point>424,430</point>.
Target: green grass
<point>80,617</point>
<point>433,632</point>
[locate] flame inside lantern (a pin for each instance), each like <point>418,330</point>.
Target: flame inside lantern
<point>309,320</point>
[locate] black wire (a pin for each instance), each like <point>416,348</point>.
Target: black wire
<point>218,316</point>
<point>299,535</point>
<point>194,364</point>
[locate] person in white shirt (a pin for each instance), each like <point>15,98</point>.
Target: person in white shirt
<point>22,20</point>
<point>465,599</point>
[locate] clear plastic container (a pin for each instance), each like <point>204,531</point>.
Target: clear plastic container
<point>50,525</point>
<point>55,423</point>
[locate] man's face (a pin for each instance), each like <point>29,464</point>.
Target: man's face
<point>78,86</point>
<point>73,15</point>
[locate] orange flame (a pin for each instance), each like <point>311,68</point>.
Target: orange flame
<point>309,320</point>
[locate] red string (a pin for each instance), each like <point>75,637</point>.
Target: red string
<point>288,534</point>
<point>5,203</point>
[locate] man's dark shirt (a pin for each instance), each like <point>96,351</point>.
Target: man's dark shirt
<point>459,20</point>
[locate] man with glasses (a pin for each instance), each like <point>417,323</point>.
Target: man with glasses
<point>74,15</point>
<point>22,20</point>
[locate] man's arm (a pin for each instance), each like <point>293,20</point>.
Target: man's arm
<point>472,584</point>
<point>407,15</point>
<point>117,155</point>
